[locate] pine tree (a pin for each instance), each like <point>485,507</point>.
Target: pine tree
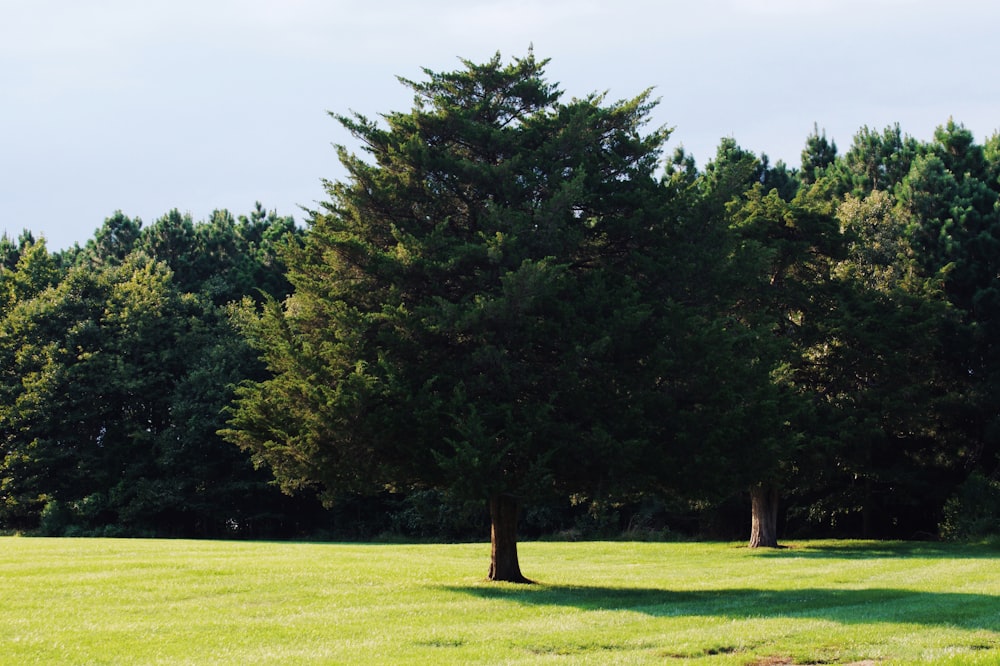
<point>481,308</point>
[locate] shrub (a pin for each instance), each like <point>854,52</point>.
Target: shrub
<point>973,512</point>
<point>56,518</point>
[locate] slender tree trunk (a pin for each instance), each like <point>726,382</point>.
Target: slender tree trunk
<point>764,516</point>
<point>504,566</point>
<point>866,510</point>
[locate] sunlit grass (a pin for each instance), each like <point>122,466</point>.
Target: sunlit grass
<point>92,601</point>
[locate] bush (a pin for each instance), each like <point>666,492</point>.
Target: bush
<point>56,518</point>
<point>973,512</point>
<point>433,514</point>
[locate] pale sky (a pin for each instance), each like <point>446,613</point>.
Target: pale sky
<point>147,105</point>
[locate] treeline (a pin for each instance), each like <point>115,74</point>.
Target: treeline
<point>510,302</point>
<point>117,363</point>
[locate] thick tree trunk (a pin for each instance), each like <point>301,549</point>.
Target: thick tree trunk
<point>504,566</point>
<point>764,516</point>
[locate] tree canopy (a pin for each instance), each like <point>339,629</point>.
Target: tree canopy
<point>115,372</point>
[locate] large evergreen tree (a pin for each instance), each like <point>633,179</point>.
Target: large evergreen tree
<point>484,308</point>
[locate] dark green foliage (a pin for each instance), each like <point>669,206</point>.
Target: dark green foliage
<point>506,299</point>
<point>818,155</point>
<point>484,308</point>
<point>903,369</point>
<point>115,239</point>
<point>114,381</point>
<point>956,146</point>
<point>974,511</point>
<point>875,161</point>
<point>224,258</point>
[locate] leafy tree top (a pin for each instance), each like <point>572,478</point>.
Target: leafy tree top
<point>473,308</point>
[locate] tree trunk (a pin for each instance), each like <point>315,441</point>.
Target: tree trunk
<point>764,516</point>
<point>866,510</point>
<point>504,566</point>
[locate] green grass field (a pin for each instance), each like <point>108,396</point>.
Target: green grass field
<point>94,601</point>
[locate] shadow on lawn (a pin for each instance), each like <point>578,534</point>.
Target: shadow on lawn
<point>890,549</point>
<point>969,611</point>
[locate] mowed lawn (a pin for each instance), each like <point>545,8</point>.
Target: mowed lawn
<point>121,601</point>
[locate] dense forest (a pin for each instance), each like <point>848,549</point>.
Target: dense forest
<point>518,307</point>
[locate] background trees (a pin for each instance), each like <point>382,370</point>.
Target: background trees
<point>115,376</point>
<point>508,302</point>
<point>854,326</point>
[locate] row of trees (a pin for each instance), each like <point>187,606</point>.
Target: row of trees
<point>117,361</point>
<point>509,300</point>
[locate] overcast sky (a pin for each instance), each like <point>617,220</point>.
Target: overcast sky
<point>147,105</point>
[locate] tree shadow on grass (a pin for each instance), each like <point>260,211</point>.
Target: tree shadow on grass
<point>852,550</point>
<point>968,611</point>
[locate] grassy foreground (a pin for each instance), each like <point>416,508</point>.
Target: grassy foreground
<point>100,601</point>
